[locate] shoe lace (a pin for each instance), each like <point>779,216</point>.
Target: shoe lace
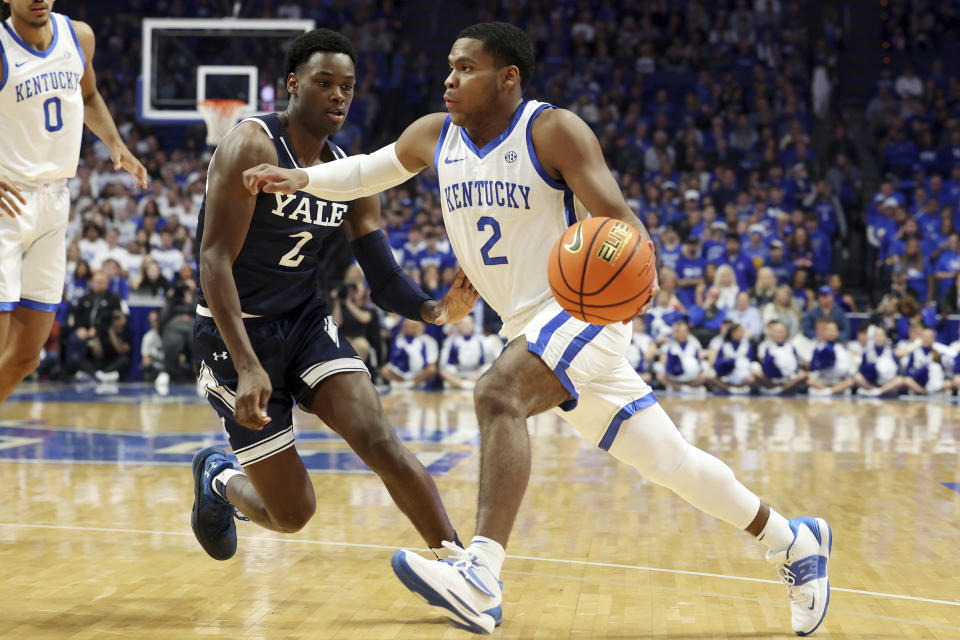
<point>796,594</point>
<point>462,559</point>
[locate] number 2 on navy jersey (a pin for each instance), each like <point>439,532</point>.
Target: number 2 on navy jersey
<point>483,223</point>
<point>290,258</point>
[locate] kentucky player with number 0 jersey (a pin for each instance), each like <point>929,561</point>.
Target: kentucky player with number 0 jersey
<point>513,174</point>
<point>47,93</point>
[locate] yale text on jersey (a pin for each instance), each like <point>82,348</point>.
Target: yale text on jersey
<point>297,207</point>
<point>487,193</point>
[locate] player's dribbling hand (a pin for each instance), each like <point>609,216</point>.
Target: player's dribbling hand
<point>655,285</point>
<point>458,301</point>
<point>253,393</point>
<point>272,179</point>
<point>10,194</point>
<point>122,158</point>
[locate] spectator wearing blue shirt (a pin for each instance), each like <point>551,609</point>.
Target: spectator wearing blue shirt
<point>715,248</point>
<point>690,270</point>
<point>820,243</point>
<point>117,283</point>
<point>412,247</point>
<point>900,153</point>
<point>936,189</point>
<point>756,248</point>
<point>670,247</point>
<point>950,152</point>
<point>433,254</point>
<point>948,263</point>
<point>707,318</point>
<point>952,186</point>
<point>928,220</point>
<point>743,268</point>
<point>919,271</point>
<point>778,263</point>
<point>798,186</point>
<point>827,209</point>
<point>826,308</point>
<point>670,213</point>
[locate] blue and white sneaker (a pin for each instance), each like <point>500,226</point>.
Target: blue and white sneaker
<point>212,516</point>
<point>803,568</point>
<point>464,590</point>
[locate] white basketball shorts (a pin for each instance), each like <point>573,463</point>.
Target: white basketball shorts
<point>33,251</point>
<point>590,362</point>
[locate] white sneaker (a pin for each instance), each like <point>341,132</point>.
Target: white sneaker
<point>869,393</point>
<point>464,590</point>
<point>803,568</point>
<point>107,376</point>
<point>163,379</point>
<point>821,393</point>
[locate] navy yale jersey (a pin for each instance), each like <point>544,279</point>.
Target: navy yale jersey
<point>276,270</point>
<point>41,104</point>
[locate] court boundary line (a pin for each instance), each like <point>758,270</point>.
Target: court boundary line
<point>589,563</point>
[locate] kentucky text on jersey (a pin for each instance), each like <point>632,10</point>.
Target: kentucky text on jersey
<point>46,82</point>
<point>486,193</point>
<point>328,214</point>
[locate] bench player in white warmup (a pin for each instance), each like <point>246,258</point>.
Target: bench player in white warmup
<point>48,91</point>
<point>514,174</point>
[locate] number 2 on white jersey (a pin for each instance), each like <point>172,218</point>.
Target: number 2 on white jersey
<point>291,259</point>
<point>483,223</point>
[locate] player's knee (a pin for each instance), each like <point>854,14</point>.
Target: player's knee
<point>19,366</point>
<point>650,443</point>
<point>495,396</point>
<point>294,517</point>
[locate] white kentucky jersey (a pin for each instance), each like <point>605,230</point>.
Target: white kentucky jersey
<point>41,104</point>
<point>503,213</point>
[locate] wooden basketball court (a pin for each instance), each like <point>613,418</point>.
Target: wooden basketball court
<point>95,540</point>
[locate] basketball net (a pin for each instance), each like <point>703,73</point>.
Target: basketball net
<point>220,116</point>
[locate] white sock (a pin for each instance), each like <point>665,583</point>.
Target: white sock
<point>490,552</point>
<point>219,482</point>
<point>777,534</point>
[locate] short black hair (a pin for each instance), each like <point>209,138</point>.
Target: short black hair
<point>4,10</point>
<point>307,44</point>
<point>506,44</point>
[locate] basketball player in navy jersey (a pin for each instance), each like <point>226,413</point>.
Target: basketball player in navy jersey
<point>263,338</point>
<point>48,91</point>
<point>513,173</point>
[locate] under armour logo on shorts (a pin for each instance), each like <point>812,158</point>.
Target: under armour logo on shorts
<point>223,355</point>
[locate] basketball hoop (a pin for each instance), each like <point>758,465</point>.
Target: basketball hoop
<point>220,116</point>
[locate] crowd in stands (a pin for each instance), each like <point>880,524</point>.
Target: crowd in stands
<point>705,113</point>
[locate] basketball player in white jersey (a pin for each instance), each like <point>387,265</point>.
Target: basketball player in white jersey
<point>513,174</point>
<point>48,92</point>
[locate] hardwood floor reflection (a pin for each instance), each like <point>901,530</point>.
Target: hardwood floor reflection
<point>95,538</point>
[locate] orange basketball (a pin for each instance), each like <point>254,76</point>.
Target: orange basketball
<point>601,271</point>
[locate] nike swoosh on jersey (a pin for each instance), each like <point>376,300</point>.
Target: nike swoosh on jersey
<point>577,243</point>
<point>449,161</point>
<point>20,64</point>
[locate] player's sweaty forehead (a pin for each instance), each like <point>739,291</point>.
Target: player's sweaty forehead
<point>469,51</point>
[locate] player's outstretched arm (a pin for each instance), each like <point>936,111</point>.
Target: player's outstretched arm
<point>569,150</point>
<point>229,210</point>
<point>357,176</point>
<point>390,287</point>
<point>97,116</point>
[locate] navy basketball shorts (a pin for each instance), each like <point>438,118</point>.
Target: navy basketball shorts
<point>298,350</point>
